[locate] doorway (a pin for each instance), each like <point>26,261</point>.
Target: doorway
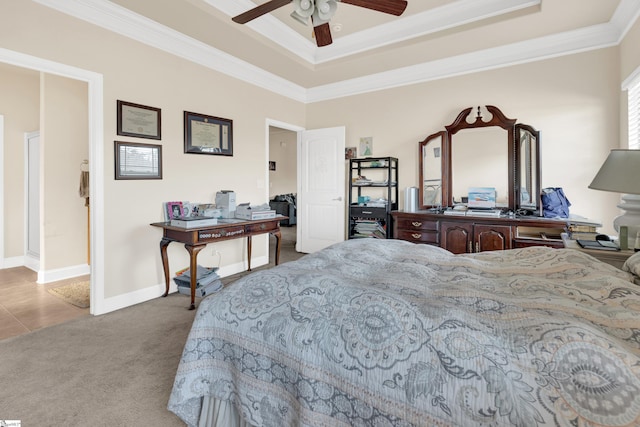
<point>282,179</point>
<point>94,83</point>
<point>319,180</point>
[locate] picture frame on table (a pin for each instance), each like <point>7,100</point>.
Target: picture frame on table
<point>205,134</point>
<point>137,161</point>
<point>139,121</point>
<point>174,210</point>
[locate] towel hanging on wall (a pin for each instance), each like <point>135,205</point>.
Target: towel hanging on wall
<point>83,190</point>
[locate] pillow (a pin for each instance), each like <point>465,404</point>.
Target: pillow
<point>632,264</point>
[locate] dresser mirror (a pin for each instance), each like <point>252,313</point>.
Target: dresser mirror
<point>529,167</point>
<point>431,170</point>
<point>481,151</point>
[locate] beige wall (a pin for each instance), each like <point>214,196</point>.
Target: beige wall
<point>572,100</point>
<point>63,142</point>
<point>19,104</point>
<point>629,52</point>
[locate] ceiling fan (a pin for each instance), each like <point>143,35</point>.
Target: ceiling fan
<point>320,13</point>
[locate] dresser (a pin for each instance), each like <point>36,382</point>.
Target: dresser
<point>468,234</point>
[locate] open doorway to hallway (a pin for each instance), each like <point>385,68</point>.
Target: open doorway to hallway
<point>283,182</point>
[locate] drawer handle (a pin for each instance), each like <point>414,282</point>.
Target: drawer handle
<point>416,224</point>
<point>263,226</point>
<point>416,235</point>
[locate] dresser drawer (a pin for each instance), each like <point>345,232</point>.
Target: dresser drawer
<point>419,236</point>
<point>262,227</point>
<point>416,224</point>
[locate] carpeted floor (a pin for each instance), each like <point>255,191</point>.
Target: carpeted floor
<point>111,370</point>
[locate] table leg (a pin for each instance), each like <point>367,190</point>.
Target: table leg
<point>193,268</point>
<point>165,263</point>
<point>249,252</point>
<point>277,234</point>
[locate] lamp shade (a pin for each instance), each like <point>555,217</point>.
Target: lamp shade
<point>620,173</point>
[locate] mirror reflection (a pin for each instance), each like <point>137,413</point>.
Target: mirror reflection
<point>480,158</point>
<point>432,172</point>
<point>528,178</point>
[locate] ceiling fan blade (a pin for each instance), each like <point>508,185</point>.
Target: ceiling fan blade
<point>258,11</point>
<point>393,7</point>
<point>323,34</point>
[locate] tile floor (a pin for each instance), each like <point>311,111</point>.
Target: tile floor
<point>26,305</point>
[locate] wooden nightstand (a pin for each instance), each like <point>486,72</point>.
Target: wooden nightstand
<point>615,258</point>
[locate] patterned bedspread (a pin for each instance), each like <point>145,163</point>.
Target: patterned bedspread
<point>388,333</point>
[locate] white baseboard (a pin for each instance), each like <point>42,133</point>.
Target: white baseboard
<point>16,261</point>
<point>136,297</point>
<point>49,276</point>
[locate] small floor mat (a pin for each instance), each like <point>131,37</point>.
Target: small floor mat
<point>74,293</point>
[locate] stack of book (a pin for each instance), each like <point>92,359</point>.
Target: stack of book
<point>207,281</point>
<point>369,228</point>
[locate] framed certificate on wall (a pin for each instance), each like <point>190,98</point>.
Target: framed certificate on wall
<point>207,134</point>
<point>139,121</point>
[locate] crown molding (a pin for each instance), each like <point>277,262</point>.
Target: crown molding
<point>447,16</point>
<point>113,17</point>
<point>432,21</point>
<point>567,43</point>
<point>124,22</point>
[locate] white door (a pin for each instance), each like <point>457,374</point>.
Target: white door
<point>321,189</point>
<point>33,195</point>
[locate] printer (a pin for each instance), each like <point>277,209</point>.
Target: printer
<point>226,202</point>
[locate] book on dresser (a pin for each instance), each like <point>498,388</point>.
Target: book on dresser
<point>193,221</point>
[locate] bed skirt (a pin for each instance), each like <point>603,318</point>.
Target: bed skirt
<point>220,413</point>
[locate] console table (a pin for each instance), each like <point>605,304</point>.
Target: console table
<point>195,239</point>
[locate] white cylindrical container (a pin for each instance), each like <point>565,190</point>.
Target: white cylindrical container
<point>411,199</point>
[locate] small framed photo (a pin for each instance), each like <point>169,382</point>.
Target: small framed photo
<point>137,161</point>
<point>272,166</point>
<point>207,134</point>
<point>350,153</point>
<point>366,146</point>
<point>139,121</point>
<point>174,210</point>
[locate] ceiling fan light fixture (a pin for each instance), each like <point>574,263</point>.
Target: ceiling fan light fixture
<point>304,8</point>
<point>301,19</point>
<point>324,11</point>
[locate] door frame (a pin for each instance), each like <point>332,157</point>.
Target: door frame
<point>95,93</point>
<point>287,126</point>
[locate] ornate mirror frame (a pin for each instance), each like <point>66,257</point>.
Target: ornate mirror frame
<point>523,157</point>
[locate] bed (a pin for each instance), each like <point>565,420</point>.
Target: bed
<point>375,332</point>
